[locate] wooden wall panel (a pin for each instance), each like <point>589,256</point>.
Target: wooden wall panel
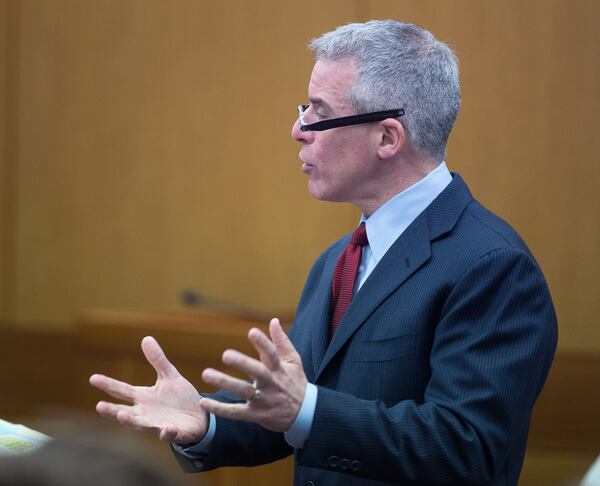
<point>526,138</point>
<point>162,158</point>
<point>8,161</point>
<point>153,151</point>
<point>4,199</point>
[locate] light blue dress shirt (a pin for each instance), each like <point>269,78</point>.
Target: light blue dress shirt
<point>384,227</point>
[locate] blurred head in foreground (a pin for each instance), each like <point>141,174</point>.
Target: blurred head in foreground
<point>88,457</point>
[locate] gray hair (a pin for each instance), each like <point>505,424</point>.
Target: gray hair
<point>400,65</point>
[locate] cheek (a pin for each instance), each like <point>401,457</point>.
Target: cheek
<point>345,151</point>
<point>320,153</point>
<point>330,148</point>
<point>338,154</point>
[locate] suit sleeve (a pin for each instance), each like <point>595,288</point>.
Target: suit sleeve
<point>237,443</point>
<point>243,443</point>
<point>491,352</point>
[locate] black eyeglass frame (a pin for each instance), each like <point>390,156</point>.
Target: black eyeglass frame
<point>345,121</point>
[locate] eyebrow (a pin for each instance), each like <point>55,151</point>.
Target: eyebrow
<point>320,102</point>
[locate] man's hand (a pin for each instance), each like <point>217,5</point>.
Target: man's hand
<point>278,375</point>
<point>171,407</point>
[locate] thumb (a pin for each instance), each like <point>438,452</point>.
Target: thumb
<point>284,346</point>
<point>156,357</point>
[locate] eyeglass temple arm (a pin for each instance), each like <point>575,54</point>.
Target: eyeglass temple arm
<point>352,120</point>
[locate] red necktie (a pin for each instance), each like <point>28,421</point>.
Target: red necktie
<point>344,276</point>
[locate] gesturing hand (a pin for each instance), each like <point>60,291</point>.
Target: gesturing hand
<point>171,407</point>
<point>278,375</point>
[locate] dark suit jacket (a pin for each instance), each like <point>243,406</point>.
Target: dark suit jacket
<point>434,370</point>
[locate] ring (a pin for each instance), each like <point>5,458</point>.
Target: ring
<point>257,392</point>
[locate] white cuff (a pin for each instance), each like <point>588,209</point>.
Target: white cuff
<point>300,429</point>
<point>199,449</point>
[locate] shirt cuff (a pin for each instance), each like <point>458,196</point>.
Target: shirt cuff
<point>300,429</point>
<point>200,449</point>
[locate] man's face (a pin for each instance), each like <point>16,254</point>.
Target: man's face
<point>337,161</point>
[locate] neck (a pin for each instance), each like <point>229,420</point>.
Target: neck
<point>395,178</point>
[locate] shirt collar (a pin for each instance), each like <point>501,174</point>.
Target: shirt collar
<point>386,224</point>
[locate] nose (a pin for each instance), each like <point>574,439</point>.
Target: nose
<point>299,135</point>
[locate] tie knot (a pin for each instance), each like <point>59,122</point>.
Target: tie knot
<point>359,237</point>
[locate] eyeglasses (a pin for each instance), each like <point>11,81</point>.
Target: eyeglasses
<point>344,121</point>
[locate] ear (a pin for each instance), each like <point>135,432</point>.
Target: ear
<point>391,138</point>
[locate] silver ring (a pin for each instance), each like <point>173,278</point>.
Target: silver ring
<point>257,392</point>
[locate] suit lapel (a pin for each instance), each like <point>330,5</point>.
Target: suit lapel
<point>405,256</point>
<point>410,251</point>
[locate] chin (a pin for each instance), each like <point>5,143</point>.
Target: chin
<point>322,194</point>
<point>316,192</point>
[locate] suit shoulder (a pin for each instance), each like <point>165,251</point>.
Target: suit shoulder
<point>478,234</point>
<point>487,230</point>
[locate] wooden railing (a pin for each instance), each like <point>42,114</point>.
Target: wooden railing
<point>109,342</point>
<point>40,369</point>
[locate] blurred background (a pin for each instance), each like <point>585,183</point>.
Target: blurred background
<point>146,165</point>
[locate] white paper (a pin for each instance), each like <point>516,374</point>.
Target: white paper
<point>592,478</point>
<point>17,439</point>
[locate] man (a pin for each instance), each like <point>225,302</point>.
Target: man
<point>420,343</point>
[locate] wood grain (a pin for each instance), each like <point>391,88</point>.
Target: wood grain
<point>564,435</point>
<point>150,149</point>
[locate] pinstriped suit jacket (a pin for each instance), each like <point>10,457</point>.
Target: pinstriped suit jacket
<point>434,370</point>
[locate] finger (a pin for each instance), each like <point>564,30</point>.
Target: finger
<point>157,358</point>
<point>168,433</point>
<point>127,417</point>
<point>266,349</point>
<point>139,422</point>
<point>115,388</point>
<point>250,366</point>
<point>233,411</point>
<point>239,388</point>
<point>110,410</point>
<point>285,348</point>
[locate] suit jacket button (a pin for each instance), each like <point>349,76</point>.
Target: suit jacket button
<point>199,464</point>
<point>355,465</point>
<point>345,463</point>
<point>333,461</point>
<point>310,483</point>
